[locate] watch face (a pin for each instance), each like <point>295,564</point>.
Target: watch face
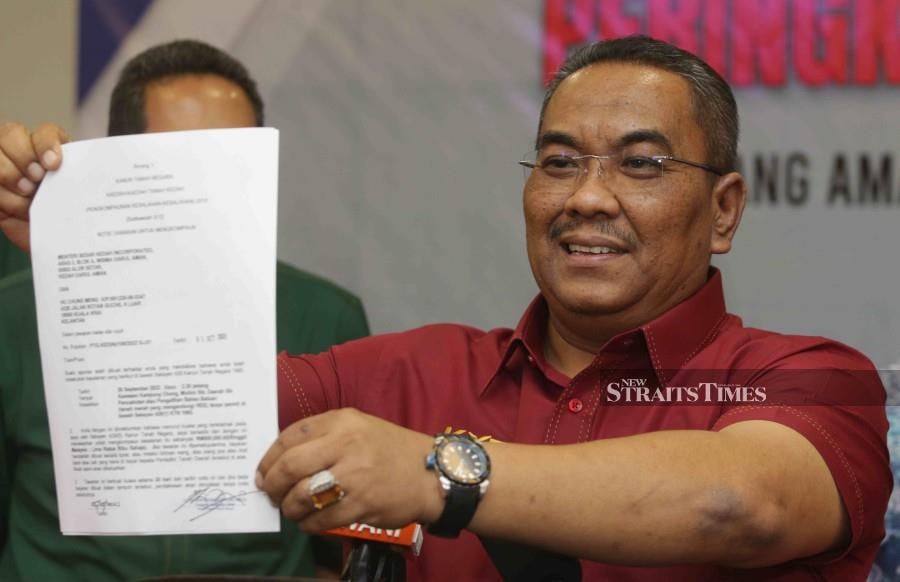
<point>463,461</point>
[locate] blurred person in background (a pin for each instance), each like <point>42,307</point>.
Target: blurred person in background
<point>180,85</point>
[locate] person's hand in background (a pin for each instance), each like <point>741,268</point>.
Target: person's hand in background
<point>25,158</point>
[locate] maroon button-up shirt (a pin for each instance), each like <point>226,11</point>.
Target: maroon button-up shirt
<point>694,367</point>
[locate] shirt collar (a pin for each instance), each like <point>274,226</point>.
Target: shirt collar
<point>680,333</point>
<point>671,339</point>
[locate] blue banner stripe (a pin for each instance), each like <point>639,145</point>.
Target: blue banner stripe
<point>103,25</point>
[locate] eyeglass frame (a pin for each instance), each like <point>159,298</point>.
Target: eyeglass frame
<point>659,159</point>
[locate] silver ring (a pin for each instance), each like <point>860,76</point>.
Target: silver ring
<point>324,489</point>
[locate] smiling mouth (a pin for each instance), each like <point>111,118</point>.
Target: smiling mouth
<point>574,249</point>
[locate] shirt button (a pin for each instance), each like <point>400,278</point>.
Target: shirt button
<point>530,359</point>
<point>575,405</point>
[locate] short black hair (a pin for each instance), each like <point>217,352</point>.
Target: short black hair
<point>714,106</point>
<point>180,57</point>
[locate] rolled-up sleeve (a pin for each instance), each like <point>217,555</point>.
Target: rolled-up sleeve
<point>843,416</point>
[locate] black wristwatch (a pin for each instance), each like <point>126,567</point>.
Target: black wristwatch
<point>462,466</point>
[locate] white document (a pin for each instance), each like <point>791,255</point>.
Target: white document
<point>154,276</point>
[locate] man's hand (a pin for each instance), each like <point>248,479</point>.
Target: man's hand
<point>24,160</point>
<point>379,465</point>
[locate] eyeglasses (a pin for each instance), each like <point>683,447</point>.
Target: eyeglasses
<point>565,171</point>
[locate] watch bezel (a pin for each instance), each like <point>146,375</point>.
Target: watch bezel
<point>448,440</point>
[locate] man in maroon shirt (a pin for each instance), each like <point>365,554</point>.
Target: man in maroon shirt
<point>631,192</point>
<point>644,430</point>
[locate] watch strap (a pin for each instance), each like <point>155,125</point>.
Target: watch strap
<point>461,502</point>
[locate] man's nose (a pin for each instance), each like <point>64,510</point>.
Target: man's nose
<point>593,192</point>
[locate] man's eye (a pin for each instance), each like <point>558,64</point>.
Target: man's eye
<point>641,166</point>
<point>559,166</point>
<point>558,162</point>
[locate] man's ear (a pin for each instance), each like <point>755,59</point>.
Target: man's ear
<point>728,198</point>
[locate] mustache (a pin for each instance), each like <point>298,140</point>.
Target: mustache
<point>605,227</point>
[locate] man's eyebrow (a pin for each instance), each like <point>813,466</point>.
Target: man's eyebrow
<point>643,136</point>
<point>633,137</point>
<point>555,138</point>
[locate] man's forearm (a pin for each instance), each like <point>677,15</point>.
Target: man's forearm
<point>669,497</point>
